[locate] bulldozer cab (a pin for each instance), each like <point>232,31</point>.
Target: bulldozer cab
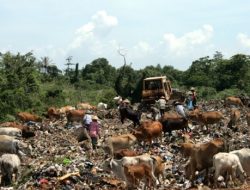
<point>154,88</point>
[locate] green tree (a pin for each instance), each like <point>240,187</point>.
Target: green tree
<point>100,72</point>
<point>20,83</point>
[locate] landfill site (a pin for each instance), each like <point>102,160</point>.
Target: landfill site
<point>59,160</point>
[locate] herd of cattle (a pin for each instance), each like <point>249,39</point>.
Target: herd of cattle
<point>121,155</point>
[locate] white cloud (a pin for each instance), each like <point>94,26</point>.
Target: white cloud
<point>189,40</point>
<point>243,39</point>
<point>100,25</point>
<point>141,49</point>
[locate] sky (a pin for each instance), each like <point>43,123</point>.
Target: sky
<point>146,32</point>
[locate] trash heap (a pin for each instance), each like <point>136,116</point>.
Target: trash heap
<point>58,161</point>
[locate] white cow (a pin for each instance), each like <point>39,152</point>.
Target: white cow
<point>244,156</point>
<point>102,106</point>
<point>9,165</point>
<point>10,131</point>
<point>11,145</point>
<point>226,163</point>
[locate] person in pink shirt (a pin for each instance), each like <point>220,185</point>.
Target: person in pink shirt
<point>94,131</point>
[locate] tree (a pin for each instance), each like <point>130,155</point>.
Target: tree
<point>45,63</point>
<point>100,72</point>
<point>20,82</point>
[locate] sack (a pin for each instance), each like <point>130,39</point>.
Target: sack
<point>92,133</point>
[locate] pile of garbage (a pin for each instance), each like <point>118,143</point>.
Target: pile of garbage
<point>59,161</point>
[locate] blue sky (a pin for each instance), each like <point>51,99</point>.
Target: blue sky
<point>148,32</point>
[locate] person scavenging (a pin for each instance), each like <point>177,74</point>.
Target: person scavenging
<point>179,108</point>
<point>162,105</point>
<point>194,96</point>
<point>94,131</point>
<point>87,119</point>
<point>189,101</point>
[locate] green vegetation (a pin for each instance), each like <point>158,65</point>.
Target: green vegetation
<point>29,84</point>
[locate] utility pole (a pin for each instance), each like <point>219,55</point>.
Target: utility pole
<point>68,64</point>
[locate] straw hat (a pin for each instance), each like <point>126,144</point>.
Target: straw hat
<point>94,117</point>
<point>192,88</point>
<point>126,101</point>
<point>162,97</point>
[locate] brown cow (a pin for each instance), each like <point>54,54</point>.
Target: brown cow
<point>231,100</point>
<point>234,118</point>
<point>25,117</point>
<point>209,117</point>
<point>160,168</point>
<point>170,116</point>
<point>148,131</point>
<point>75,115</point>
<point>201,156</point>
<point>134,173</point>
<point>119,154</point>
<point>53,113</point>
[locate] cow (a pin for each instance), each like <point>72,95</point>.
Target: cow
<point>11,145</point>
<point>26,131</point>
<point>210,117</point>
<point>170,116</point>
<point>148,130</point>
<point>134,174</point>
<point>159,168</point>
<point>117,166</point>
<point>119,154</point>
<point>75,115</point>
<point>53,113</point>
<point>10,131</point>
<point>9,165</point>
<point>227,163</point>
<point>234,118</point>
<point>85,106</point>
<point>187,138</point>
<point>127,112</point>
<point>65,109</point>
<point>177,124</point>
<point>248,119</point>
<point>201,156</point>
<point>102,106</point>
<point>26,117</point>
<point>115,143</point>
<point>244,156</point>
<point>231,100</point>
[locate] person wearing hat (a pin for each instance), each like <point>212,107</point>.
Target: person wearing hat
<point>94,131</point>
<point>162,105</point>
<point>189,101</point>
<point>194,96</point>
<point>126,104</point>
<point>87,119</point>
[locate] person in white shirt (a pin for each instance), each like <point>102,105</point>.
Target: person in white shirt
<point>162,105</point>
<point>87,119</point>
<point>179,108</point>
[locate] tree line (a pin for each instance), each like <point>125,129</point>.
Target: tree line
<point>31,84</point>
